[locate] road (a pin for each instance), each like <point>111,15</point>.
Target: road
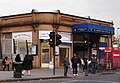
<point>105,78</point>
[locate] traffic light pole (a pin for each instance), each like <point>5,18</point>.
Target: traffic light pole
<point>54,51</point>
<point>54,60</point>
<point>55,29</point>
<point>57,41</point>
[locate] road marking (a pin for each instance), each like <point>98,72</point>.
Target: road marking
<point>95,81</point>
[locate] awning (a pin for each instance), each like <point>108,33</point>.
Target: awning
<point>93,28</point>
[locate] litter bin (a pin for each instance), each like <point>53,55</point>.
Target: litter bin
<point>17,70</point>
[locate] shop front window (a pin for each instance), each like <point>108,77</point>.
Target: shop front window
<point>6,45</point>
<point>102,39</point>
<point>45,56</point>
<point>45,52</point>
<point>21,47</point>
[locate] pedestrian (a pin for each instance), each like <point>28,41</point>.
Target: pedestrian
<point>6,62</point>
<point>27,65</point>
<point>17,66</point>
<point>79,62</point>
<point>18,58</point>
<point>85,64</point>
<point>66,65</point>
<point>94,63</point>
<point>75,61</point>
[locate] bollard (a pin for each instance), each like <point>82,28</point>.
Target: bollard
<point>17,70</point>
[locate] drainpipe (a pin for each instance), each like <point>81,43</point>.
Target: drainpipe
<point>0,45</point>
<point>1,39</point>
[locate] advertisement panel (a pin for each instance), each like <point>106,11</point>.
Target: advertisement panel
<point>108,49</point>
<point>112,57</point>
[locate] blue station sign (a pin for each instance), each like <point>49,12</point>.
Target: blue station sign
<point>93,28</point>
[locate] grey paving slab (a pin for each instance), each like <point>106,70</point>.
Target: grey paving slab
<point>43,73</point>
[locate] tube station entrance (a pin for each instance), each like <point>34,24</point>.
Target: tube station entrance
<point>87,38</point>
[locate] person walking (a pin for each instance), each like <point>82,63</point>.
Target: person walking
<point>6,62</point>
<point>79,62</point>
<point>85,65</point>
<point>66,65</point>
<point>27,65</point>
<point>94,64</point>
<point>74,61</point>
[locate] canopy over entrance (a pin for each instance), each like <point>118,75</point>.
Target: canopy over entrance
<point>93,28</point>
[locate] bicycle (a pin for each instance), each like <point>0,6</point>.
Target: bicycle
<point>100,68</point>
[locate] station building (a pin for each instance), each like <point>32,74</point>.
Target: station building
<point>29,33</point>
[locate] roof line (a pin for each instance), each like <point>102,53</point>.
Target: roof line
<point>53,13</point>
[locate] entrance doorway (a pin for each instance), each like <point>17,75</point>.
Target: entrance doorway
<point>83,43</point>
<point>63,52</point>
<point>45,57</point>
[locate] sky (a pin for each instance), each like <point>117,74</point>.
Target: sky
<point>106,10</point>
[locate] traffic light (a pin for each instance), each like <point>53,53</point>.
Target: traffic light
<point>52,39</point>
<point>58,41</point>
<point>86,44</point>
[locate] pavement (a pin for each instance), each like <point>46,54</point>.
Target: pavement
<point>42,73</point>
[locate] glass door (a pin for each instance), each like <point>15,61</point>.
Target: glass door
<point>63,52</point>
<point>45,57</point>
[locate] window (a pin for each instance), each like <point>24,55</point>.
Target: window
<point>45,52</point>
<point>102,39</point>
<point>6,44</point>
